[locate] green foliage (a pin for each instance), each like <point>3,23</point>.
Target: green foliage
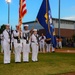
<point>2,28</point>
<point>73,37</point>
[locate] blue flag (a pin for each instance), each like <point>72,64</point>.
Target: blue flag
<point>53,37</point>
<point>44,17</point>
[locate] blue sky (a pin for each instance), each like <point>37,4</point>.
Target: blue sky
<point>67,10</point>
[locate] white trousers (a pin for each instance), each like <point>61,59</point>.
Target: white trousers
<point>60,44</point>
<point>48,46</point>
<point>7,53</point>
<point>26,50</point>
<point>42,47</point>
<point>18,49</point>
<point>53,49</point>
<point>34,52</point>
<point>18,54</point>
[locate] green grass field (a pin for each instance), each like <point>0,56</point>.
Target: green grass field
<point>48,64</point>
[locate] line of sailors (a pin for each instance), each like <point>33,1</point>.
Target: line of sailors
<point>22,42</point>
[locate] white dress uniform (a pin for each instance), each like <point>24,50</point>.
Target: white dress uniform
<point>6,45</point>
<point>17,46</point>
<point>26,45</point>
<point>42,43</point>
<point>34,46</point>
<point>48,47</point>
<point>1,36</point>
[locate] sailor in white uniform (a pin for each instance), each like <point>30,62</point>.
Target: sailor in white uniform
<point>26,43</point>
<point>17,34</point>
<point>34,45</point>
<point>48,45</point>
<point>42,43</point>
<point>6,45</point>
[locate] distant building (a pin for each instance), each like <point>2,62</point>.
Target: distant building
<point>67,27</point>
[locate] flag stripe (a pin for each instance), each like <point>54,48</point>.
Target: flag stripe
<point>22,10</point>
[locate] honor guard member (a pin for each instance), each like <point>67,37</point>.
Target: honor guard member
<point>26,43</point>
<point>17,34</point>
<point>60,42</point>
<point>1,37</point>
<point>42,43</point>
<point>48,44</point>
<point>6,44</point>
<point>34,45</point>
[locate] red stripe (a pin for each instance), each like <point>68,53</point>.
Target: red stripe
<point>23,6</point>
<point>22,10</point>
<point>24,0</point>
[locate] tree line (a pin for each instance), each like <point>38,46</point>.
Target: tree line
<point>2,28</point>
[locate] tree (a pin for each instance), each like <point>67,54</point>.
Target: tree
<point>2,28</point>
<point>73,37</point>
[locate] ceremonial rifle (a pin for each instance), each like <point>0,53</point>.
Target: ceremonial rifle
<point>10,37</point>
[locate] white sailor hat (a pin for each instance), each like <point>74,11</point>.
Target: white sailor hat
<point>26,25</point>
<point>34,29</point>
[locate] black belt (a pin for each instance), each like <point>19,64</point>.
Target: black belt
<point>24,38</point>
<point>17,38</point>
<point>32,41</point>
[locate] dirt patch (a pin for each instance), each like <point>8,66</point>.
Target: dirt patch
<point>64,51</point>
<point>68,74</point>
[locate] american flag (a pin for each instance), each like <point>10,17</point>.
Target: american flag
<point>22,10</point>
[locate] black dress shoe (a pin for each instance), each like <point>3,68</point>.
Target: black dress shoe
<point>17,62</point>
<point>34,61</point>
<point>53,51</point>
<point>6,63</point>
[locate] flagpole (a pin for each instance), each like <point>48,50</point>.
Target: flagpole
<point>8,12</point>
<point>20,13</point>
<point>59,20</point>
<point>47,16</point>
<point>8,2</point>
